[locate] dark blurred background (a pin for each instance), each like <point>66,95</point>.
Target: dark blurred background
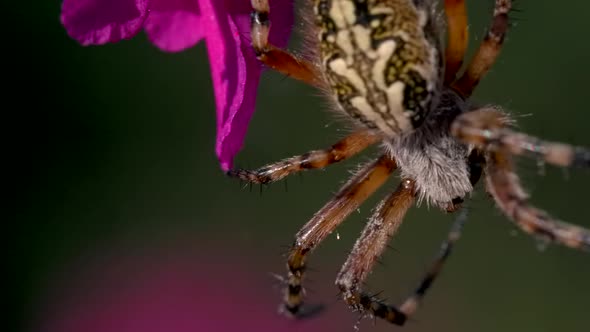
<point>122,187</point>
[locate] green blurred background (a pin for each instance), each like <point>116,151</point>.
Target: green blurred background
<point>118,151</point>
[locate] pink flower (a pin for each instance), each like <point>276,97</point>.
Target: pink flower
<point>174,25</point>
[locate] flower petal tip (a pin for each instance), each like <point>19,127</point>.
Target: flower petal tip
<point>226,165</point>
<point>97,22</point>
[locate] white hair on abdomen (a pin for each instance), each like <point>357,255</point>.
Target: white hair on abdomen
<point>433,158</point>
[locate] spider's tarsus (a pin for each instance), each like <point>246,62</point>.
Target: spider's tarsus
<point>304,312</point>
<point>247,175</point>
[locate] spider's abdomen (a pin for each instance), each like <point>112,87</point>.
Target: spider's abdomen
<point>381,59</point>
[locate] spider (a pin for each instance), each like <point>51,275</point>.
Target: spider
<point>382,63</point>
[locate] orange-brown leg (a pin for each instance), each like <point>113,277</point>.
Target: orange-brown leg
<point>457,38</point>
<point>370,246</point>
<point>325,221</point>
<point>381,227</point>
<point>274,57</point>
<point>486,128</point>
<point>345,148</point>
<point>488,50</point>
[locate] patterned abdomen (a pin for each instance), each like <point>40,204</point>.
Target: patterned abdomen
<point>381,59</point>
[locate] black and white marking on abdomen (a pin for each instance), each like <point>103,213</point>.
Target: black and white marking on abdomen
<point>380,60</point>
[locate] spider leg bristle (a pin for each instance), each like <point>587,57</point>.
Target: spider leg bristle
<point>279,280</point>
<point>392,248</point>
<point>541,167</point>
<point>307,289</point>
<point>515,10</point>
<point>515,17</point>
<point>377,296</point>
<point>285,250</point>
<point>285,77</point>
<point>246,185</point>
<point>380,262</point>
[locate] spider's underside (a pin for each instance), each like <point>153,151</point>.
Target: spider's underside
<point>382,63</point>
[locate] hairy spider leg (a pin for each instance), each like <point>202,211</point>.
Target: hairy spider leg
<point>487,52</point>
<point>343,149</point>
<point>324,222</point>
<point>485,128</point>
<point>457,38</point>
<point>272,56</point>
<point>504,185</point>
<point>369,246</point>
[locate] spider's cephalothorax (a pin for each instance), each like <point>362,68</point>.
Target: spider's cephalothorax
<point>382,64</point>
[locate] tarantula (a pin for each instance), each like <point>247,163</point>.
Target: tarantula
<point>382,63</point>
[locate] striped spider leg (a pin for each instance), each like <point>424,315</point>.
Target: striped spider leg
<point>457,38</point>
<point>373,241</point>
<point>488,50</point>
<point>324,222</point>
<point>272,56</point>
<point>487,129</point>
<point>370,245</point>
<point>342,150</point>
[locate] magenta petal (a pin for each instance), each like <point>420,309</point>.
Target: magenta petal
<point>235,70</point>
<point>93,22</point>
<point>174,25</point>
<point>228,72</point>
